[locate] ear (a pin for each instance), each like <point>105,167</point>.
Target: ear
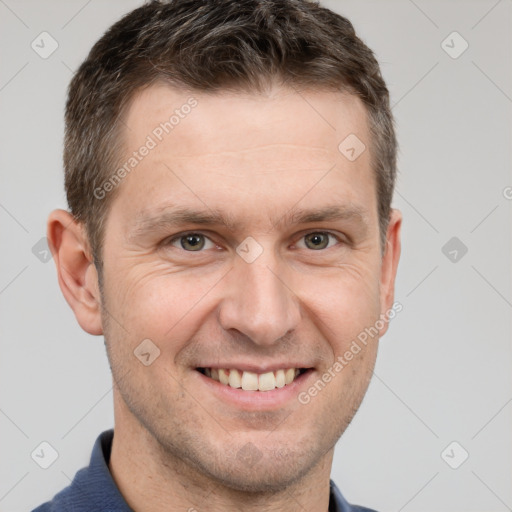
<point>76,272</point>
<point>390,264</point>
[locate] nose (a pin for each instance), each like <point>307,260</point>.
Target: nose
<point>259,302</point>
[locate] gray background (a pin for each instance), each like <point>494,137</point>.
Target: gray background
<point>444,368</point>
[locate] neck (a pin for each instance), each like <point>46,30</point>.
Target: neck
<point>152,479</point>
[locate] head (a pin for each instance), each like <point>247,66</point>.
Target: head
<point>229,171</point>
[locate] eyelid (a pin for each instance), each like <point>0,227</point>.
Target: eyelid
<point>170,240</point>
<point>173,238</point>
<point>323,232</point>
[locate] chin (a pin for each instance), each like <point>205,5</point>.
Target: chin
<point>263,478</point>
<point>256,469</point>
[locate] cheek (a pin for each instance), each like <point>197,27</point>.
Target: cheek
<point>344,303</point>
<point>152,301</point>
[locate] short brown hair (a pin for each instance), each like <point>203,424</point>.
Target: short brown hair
<point>214,45</point>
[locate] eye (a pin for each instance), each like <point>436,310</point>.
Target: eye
<point>318,240</point>
<point>192,242</point>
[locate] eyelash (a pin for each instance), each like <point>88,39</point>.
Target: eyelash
<point>178,237</point>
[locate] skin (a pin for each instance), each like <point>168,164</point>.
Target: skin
<point>177,445</point>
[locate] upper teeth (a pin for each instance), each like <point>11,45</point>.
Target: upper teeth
<point>250,381</point>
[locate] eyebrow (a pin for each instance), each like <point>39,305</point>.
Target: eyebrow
<point>166,217</point>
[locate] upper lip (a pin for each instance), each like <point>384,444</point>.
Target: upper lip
<point>256,368</point>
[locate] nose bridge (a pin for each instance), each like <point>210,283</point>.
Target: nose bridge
<point>259,303</point>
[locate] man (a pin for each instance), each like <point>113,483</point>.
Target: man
<point>229,171</point>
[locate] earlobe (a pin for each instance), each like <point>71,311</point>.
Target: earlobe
<point>390,264</point>
<point>78,279</point>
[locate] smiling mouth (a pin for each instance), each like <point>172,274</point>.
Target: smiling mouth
<point>251,381</point>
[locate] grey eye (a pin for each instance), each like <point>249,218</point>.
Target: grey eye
<point>192,242</point>
<point>316,241</point>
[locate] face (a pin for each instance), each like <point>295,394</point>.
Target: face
<point>244,245</point>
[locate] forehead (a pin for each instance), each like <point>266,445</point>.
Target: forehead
<point>212,148</point>
<point>236,121</point>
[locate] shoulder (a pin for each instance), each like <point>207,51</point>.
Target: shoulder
<point>91,485</point>
<point>70,498</point>
<point>338,503</point>
<point>46,507</point>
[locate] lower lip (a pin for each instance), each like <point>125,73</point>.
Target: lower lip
<point>257,400</point>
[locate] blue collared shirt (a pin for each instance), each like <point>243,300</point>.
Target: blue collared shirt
<point>93,488</point>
